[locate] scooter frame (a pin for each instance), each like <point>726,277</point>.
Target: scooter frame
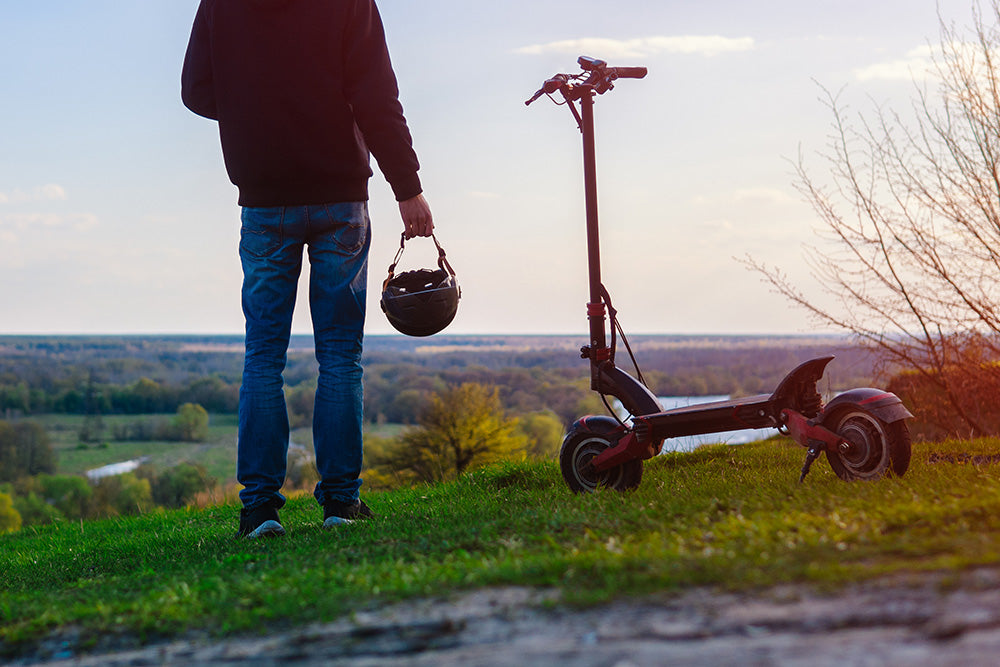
<point>862,431</point>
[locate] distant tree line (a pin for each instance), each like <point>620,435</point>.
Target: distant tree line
<point>144,396</point>
<point>51,377</point>
<point>189,424</point>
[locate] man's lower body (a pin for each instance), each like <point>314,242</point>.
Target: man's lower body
<point>337,237</point>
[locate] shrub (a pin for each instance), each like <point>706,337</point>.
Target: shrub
<point>71,495</point>
<point>191,422</point>
<point>122,495</point>
<point>544,433</point>
<point>464,428</point>
<point>35,511</point>
<point>177,486</point>
<point>945,403</point>
<point>10,519</point>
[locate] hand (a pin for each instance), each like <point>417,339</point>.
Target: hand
<point>417,218</point>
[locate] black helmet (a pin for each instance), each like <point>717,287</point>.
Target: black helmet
<point>422,302</point>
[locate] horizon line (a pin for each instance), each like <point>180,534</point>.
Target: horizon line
<point>152,334</point>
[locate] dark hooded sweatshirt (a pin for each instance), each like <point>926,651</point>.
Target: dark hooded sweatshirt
<point>302,90</point>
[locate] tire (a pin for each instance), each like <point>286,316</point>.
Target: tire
<point>876,449</point>
<point>579,448</point>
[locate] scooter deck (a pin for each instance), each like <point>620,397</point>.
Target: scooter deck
<point>714,417</point>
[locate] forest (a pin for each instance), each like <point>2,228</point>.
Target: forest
<point>144,375</point>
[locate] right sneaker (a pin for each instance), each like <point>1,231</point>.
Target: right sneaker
<point>336,513</point>
<point>261,521</point>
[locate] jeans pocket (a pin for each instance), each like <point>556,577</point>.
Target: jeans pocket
<point>348,226</point>
<point>261,231</point>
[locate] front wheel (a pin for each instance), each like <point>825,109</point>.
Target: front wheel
<point>580,447</point>
<point>872,448</point>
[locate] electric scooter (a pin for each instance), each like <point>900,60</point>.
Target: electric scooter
<point>862,432</point>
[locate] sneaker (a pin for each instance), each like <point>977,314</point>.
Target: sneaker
<point>336,513</point>
<point>260,522</point>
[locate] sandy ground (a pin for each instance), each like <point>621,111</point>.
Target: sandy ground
<point>929,619</point>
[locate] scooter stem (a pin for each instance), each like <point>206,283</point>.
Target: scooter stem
<point>595,310</point>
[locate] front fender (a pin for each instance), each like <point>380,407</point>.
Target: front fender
<point>882,404</point>
<point>602,424</point>
<point>635,396</point>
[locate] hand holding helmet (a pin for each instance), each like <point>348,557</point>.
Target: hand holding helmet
<point>417,217</point>
<point>421,302</point>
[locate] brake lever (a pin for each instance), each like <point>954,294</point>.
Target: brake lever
<point>549,87</point>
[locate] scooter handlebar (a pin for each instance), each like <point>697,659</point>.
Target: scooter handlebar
<point>601,78</point>
<point>628,72</point>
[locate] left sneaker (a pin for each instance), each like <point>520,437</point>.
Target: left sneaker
<point>336,513</point>
<point>260,522</point>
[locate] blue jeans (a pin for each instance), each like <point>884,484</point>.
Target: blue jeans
<point>271,243</point>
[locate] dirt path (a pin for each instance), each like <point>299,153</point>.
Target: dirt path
<point>931,619</point>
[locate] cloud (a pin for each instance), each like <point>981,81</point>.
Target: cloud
<point>478,194</point>
<point>768,195</point>
<point>50,191</point>
<point>746,196</point>
<point>31,239</point>
<point>926,62</point>
<point>917,63</point>
<point>47,192</point>
<point>702,45</point>
<point>81,222</point>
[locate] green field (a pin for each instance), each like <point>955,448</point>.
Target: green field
<point>727,517</point>
<point>217,453</point>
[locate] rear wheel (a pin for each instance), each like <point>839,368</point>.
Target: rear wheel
<point>580,447</point>
<point>872,447</point>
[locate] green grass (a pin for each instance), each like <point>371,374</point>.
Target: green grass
<point>730,517</point>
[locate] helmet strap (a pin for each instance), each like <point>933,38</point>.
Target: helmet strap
<point>442,260</point>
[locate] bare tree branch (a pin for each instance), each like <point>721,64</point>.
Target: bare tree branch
<point>909,221</point>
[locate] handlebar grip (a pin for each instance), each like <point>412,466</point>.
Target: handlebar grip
<point>538,93</point>
<point>630,72</point>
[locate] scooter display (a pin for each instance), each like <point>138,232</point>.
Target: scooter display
<point>862,432</point>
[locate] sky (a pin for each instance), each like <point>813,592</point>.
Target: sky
<point>117,216</point>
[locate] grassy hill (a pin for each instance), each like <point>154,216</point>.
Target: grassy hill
<point>731,517</point>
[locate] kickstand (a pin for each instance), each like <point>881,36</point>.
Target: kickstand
<point>811,456</point>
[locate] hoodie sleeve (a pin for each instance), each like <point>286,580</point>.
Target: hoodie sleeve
<point>197,84</point>
<point>373,94</point>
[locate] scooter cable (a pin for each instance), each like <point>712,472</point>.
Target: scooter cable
<point>604,397</point>
<point>616,325</point>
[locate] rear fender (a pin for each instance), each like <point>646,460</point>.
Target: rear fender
<point>882,404</point>
<point>798,390</point>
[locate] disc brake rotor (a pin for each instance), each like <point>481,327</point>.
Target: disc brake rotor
<point>865,447</point>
